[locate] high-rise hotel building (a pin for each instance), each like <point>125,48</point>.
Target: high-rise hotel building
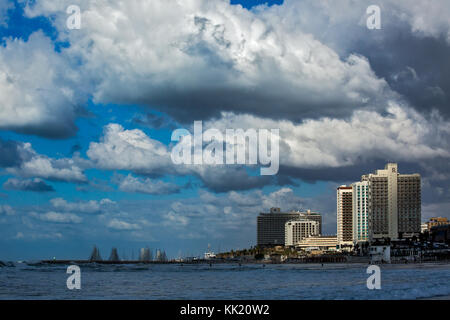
<point>360,211</point>
<point>394,203</point>
<point>344,211</point>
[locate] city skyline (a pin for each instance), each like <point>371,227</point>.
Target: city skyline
<point>87,115</point>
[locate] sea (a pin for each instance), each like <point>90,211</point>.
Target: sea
<point>225,281</point>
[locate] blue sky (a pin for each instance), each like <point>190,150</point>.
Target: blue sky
<point>84,113</point>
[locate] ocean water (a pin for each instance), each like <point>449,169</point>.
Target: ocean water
<point>225,281</point>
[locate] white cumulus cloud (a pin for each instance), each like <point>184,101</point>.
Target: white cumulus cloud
<point>57,217</point>
<point>122,225</point>
<point>91,206</point>
<point>37,87</point>
<point>147,186</point>
<point>37,165</point>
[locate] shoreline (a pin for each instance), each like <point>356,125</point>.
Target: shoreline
<point>215,262</point>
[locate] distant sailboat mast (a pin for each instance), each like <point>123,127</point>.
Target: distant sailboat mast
<point>114,256</point>
<point>95,255</point>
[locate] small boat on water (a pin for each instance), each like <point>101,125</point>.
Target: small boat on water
<point>209,254</point>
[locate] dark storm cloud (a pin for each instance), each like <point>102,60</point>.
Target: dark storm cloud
<point>416,67</point>
<point>346,173</point>
<point>230,180</point>
<point>63,130</point>
<point>218,180</point>
<point>154,121</point>
<point>275,100</point>
<point>35,185</point>
<point>415,64</point>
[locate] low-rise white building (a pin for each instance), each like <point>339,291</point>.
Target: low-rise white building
<point>296,230</point>
<point>318,243</point>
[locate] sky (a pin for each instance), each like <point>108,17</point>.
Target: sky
<point>86,116</point>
